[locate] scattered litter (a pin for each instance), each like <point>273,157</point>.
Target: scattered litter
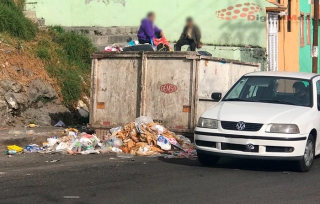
<point>143,137</point>
<point>10,152</point>
<point>144,119</point>
<point>2,173</point>
<point>53,161</point>
<point>286,172</point>
<point>32,125</point>
<point>164,143</point>
<point>113,48</point>
<point>30,132</point>
<point>124,156</point>
<point>90,152</point>
<point>60,124</point>
<point>71,197</point>
<point>32,148</point>
<point>15,147</point>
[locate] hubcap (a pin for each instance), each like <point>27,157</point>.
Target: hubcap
<point>308,153</point>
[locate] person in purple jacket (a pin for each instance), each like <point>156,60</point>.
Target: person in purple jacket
<point>148,30</point>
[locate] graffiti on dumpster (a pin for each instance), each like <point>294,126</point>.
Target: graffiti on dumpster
<point>123,2</point>
<point>238,11</point>
<point>168,88</point>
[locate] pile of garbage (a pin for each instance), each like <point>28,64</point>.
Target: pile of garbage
<point>142,138</point>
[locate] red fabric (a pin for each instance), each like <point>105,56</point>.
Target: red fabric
<point>162,40</point>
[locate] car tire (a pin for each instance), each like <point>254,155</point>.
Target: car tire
<point>305,164</point>
<point>208,160</point>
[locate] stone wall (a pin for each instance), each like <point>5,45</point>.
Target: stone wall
<point>37,102</point>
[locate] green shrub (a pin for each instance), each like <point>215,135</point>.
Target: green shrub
<point>70,82</point>
<point>14,22</point>
<point>77,48</point>
<point>43,53</point>
<point>58,29</point>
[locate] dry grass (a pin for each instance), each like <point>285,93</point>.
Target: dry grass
<point>15,55</point>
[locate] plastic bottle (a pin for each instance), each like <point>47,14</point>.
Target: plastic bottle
<point>10,152</point>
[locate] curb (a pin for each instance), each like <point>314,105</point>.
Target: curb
<point>23,140</point>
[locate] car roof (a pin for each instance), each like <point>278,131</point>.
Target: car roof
<point>301,75</point>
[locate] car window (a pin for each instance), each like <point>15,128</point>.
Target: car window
<point>272,90</point>
<point>236,91</point>
<point>318,94</point>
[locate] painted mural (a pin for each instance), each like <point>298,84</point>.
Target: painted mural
<point>238,11</point>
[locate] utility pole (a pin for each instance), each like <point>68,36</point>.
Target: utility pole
<point>315,37</point>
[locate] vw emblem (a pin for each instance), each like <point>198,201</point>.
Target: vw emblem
<point>241,125</point>
<point>249,147</point>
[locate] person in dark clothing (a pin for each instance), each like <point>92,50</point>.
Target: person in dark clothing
<point>301,93</point>
<point>191,35</point>
<point>148,30</point>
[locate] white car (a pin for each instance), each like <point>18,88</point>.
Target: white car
<point>265,115</point>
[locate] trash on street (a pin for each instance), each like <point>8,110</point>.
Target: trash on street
<point>143,137</point>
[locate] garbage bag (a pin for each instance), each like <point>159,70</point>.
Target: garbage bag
<point>62,146</point>
<point>144,119</point>
<point>184,139</point>
<point>31,148</point>
<point>60,124</point>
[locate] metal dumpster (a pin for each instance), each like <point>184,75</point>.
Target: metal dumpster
<point>172,87</point>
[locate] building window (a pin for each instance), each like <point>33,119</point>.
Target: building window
<point>308,29</point>
<point>302,29</point>
<point>289,16</point>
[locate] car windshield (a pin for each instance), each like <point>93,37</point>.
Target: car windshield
<point>278,90</point>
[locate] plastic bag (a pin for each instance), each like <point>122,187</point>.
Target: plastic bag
<point>114,142</point>
<point>159,129</point>
<point>115,149</point>
<point>90,152</point>
<point>163,143</point>
<point>31,148</point>
<point>184,139</point>
<point>144,120</point>
<point>115,131</point>
<point>52,141</point>
<point>62,146</point>
<point>139,130</point>
<point>86,144</point>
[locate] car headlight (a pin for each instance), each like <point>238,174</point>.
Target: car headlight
<point>208,123</point>
<point>283,128</point>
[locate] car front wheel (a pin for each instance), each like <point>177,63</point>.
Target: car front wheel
<point>305,164</point>
<point>208,160</point>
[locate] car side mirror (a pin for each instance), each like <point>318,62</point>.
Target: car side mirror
<point>216,96</point>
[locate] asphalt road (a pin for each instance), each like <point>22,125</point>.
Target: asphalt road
<point>108,179</point>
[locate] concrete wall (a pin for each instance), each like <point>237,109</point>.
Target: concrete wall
<point>305,51</point>
<point>245,54</point>
<point>212,16</point>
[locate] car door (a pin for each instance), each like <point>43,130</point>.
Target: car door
<point>317,104</point>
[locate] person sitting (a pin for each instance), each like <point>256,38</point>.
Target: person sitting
<point>191,35</point>
<point>148,30</point>
<point>301,93</point>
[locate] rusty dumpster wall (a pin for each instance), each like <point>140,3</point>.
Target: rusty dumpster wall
<point>174,88</point>
<point>218,76</point>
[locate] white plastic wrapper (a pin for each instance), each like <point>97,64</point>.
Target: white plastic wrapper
<point>159,129</point>
<point>144,120</point>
